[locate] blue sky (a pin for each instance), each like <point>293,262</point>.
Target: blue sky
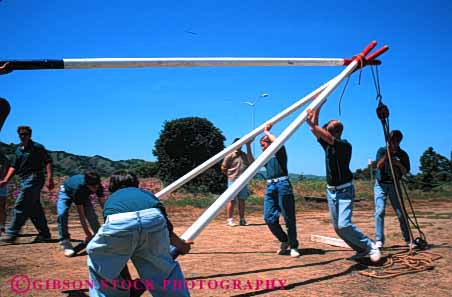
<point>118,113</point>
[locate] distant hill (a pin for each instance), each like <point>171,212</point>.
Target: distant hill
<point>68,164</point>
<point>292,176</point>
<point>296,177</point>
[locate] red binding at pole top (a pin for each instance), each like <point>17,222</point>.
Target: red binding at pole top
<point>371,59</point>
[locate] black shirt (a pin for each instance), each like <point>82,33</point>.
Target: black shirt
<point>31,159</point>
<point>337,161</point>
<point>277,165</point>
<point>76,188</point>
<point>384,173</point>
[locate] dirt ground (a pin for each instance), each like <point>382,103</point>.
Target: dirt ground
<point>241,261</point>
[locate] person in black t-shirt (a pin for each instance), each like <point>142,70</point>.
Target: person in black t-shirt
<point>32,160</point>
<point>340,189</point>
<point>384,186</point>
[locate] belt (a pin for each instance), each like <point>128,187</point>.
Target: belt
<point>132,214</point>
<point>340,187</point>
<point>278,179</point>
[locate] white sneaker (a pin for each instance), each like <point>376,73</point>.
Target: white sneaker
<point>230,223</point>
<point>379,244</point>
<point>374,254</point>
<point>283,248</point>
<point>294,253</point>
<point>67,248</point>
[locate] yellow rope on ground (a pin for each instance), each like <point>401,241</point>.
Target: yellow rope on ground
<point>404,263</point>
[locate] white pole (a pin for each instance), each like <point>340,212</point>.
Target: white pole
<point>216,158</point>
<point>82,63</point>
<point>194,230</point>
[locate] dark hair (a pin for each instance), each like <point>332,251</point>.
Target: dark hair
<point>123,179</point>
<point>26,128</point>
<point>91,177</point>
<point>266,139</point>
<point>235,140</point>
<point>396,135</point>
<point>336,129</point>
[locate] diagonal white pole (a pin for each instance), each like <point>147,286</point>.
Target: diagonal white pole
<point>219,156</point>
<point>194,230</point>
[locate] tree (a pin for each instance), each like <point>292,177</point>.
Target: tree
<point>434,168</point>
<point>145,170</point>
<point>435,164</point>
<point>184,144</point>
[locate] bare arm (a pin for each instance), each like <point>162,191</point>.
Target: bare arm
<point>267,132</point>
<point>182,246</point>
<point>50,183</point>
<point>249,152</point>
<point>7,177</point>
<point>382,161</point>
<point>81,214</point>
<point>313,121</point>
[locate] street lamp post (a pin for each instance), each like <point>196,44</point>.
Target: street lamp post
<point>253,111</point>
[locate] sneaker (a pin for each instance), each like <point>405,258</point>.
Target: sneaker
<point>294,253</point>
<point>243,222</point>
<point>8,239</point>
<point>283,248</point>
<point>68,249</point>
<point>379,244</point>
<point>42,239</point>
<point>230,223</point>
<point>374,254</point>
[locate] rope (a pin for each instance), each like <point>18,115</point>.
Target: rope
<point>342,94</point>
<point>3,69</point>
<point>404,263</point>
<point>411,261</point>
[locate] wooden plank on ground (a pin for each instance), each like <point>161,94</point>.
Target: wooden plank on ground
<point>329,240</point>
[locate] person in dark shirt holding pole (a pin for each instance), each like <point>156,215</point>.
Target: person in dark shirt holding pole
<point>32,160</point>
<point>340,189</point>
<point>78,189</point>
<point>385,187</point>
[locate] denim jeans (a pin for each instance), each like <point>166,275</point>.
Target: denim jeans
<point>340,203</point>
<point>28,205</point>
<point>145,240</point>
<point>278,200</point>
<point>63,204</point>
<point>381,192</point>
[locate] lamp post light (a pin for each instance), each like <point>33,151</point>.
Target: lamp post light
<point>253,111</point>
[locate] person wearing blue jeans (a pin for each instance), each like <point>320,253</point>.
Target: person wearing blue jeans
<point>385,187</point>
<point>340,189</point>
<point>31,161</point>
<point>279,198</point>
<point>78,189</point>
<point>136,227</point>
